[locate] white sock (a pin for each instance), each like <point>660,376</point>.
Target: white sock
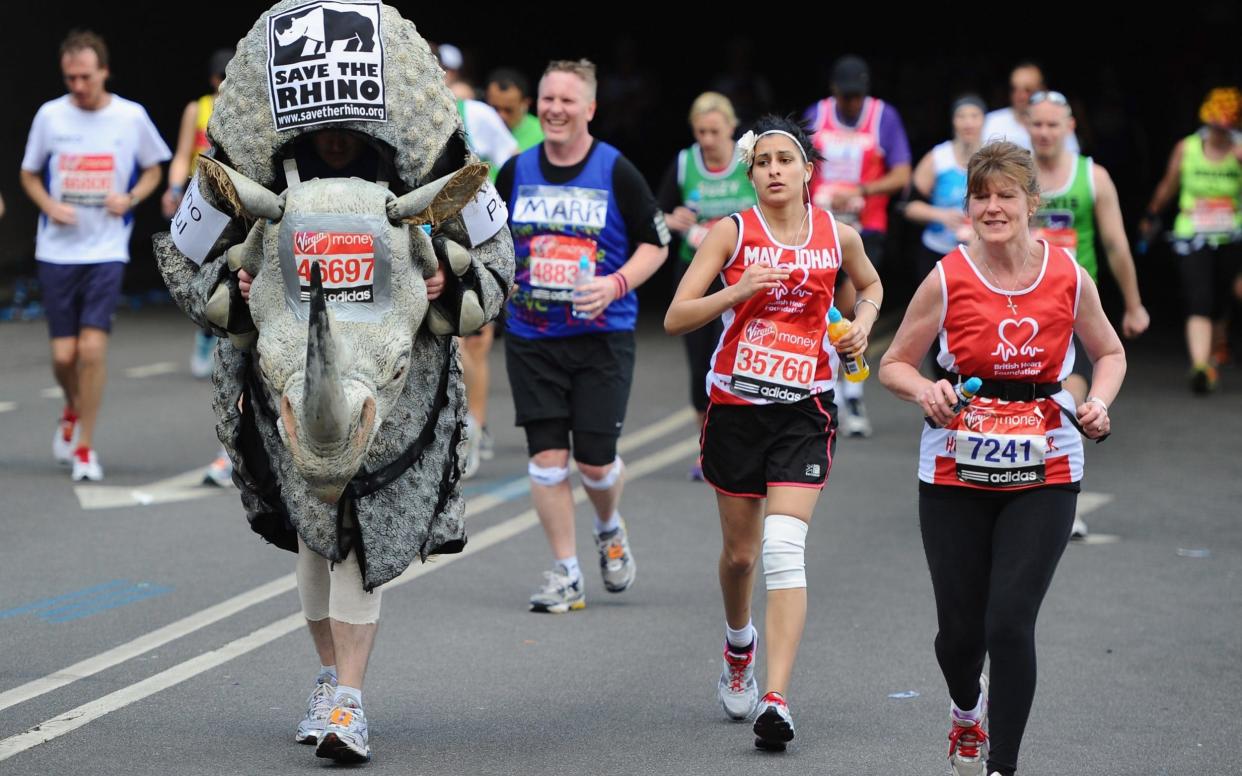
<point>974,715</point>
<point>570,565</point>
<point>851,390</point>
<point>741,638</point>
<point>353,692</point>
<point>329,671</point>
<point>612,524</point>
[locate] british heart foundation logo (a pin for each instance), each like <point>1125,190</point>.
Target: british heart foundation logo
<point>1010,332</point>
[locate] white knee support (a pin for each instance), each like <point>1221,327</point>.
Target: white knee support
<point>547,476</point>
<point>784,552</point>
<point>334,589</point>
<point>608,480</point>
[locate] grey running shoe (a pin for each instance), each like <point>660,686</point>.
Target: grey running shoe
<point>487,445</point>
<point>968,743</point>
<point>318,706</point>
<point>774,727</point>
<point>473,442</point>
<point>560,593</point>
<point>344,736</point>
<point>1079,531</point>
<point>854,418</point>
<point>616,562</point>
<point>738,691</point>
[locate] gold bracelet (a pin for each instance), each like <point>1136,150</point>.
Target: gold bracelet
<point>868,301</point>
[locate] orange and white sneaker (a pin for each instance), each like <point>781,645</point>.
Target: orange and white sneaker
<point>774,727</point>
<point>86,465</point>
<point>65,440</point>
<point>344,737</point>
<point>616,561</point>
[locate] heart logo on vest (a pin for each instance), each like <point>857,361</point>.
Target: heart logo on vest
<point>1007,348</point>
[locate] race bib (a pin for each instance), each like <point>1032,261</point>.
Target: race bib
<point>1057,227</point>
<point>843,157</point>
<point>1214,215</point>
<point>554,260</point>
<point>775,361</point>
<point>85,179</point>
<point>1000,444</point>
<point>346,264</point>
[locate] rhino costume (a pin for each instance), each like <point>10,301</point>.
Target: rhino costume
<point>349,428</point>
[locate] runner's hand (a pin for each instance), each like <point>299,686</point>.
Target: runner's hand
<point>937,400</point>
<point>681,219</point>
<point>63,214</point>
<point>757,277</point>
<point>1094,419</point>
<point>594,297</point>
<point>118,203</point>
<point>435,283</point>
<point>169,203</point>
<point>854,342</point>
<point>244,279</point>
<point>1135,322</point>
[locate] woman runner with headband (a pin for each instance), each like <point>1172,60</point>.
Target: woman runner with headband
<point>999,481</point>
<point>768,440</point>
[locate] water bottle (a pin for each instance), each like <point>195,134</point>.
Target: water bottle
<point>586,273</point>
<point>965,392</point>
<point>855,369</point>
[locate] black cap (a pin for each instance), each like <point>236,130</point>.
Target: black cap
<point>850,75</point>
<point>219,61</point>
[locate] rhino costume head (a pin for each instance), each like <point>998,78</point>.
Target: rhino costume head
<point>351,407</point>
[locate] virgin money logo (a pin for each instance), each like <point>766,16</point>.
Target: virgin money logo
<point>761,333</point>
<point>311,242</point>
<point>1010,332</point>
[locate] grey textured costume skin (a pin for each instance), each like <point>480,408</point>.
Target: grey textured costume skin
<point>399,522</point>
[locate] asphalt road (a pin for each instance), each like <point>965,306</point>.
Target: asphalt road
<point>145,630</point>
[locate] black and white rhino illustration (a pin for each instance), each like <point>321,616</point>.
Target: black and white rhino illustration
<point>320,30</point>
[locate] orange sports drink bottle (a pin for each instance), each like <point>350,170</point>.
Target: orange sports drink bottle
<point>855,368</point>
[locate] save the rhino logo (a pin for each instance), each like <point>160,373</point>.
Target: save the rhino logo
<point>310,32</point>
<point>325,63</point>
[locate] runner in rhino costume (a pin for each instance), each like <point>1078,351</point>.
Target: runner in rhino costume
<point>344,418</point>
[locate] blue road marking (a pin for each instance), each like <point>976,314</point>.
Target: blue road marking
<point>48,603</point>
<point>88,601</point>
<point>504,491</point>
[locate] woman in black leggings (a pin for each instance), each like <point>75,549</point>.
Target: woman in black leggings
<point>1000,478</point>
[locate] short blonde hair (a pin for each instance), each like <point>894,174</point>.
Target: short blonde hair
<point>713,102</point>
<point>583,68</point>
<point>1001,159</point>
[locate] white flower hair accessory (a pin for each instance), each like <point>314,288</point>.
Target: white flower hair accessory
<point>746,147</point>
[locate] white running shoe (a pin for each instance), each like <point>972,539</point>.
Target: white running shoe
<point>968,743</point>
<point>65,440</point>
<point>86,466</point>
<point>220,471</point>
<point>737,690</point>
<point>774,727</point>
<point>854,418</point>
<point>318,707</point>
<point>201,356</point>
<point>487,445</point>
<point>616,562</point>
<point>1079,531</point>
<point>560,593</point>
<point>473,447</point>
<point>345,735</point>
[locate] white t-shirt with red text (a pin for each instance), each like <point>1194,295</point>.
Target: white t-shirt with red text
<point>84,155</point>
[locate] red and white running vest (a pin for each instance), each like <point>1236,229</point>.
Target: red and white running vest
<point>1007,445</point>
<point>851,155</point>
<point>775,345</point>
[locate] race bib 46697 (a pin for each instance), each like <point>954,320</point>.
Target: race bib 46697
<point>346,264</point>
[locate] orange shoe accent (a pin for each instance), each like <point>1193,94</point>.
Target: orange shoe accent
<point>616,552</point>
<point>341,717</point>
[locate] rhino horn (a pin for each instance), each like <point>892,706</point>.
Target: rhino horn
<point>440,200</point>
<point>325,413</point>
<point>243,194</point>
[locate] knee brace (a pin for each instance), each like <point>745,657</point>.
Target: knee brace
<point>608,480</point>
<point>547,476</point>
<point>784,552</point>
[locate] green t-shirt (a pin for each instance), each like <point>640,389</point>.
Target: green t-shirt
<point>711,195</point>
<point>527,133</point>
<point>1066,218</point>
<point>1208,203</point>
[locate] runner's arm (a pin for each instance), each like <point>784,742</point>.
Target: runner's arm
<point>1168,185</point>
<point>899,371</point>
<point>1107,355</point>
<point>691,310</point>
<point>1117,249</point>
<point>119,203</point>
<point>866,282</point>
<point>59,212</point>
<point>179,168</point>
<point>893,182</point>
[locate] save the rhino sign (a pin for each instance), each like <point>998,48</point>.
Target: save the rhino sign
<point>325,63</point>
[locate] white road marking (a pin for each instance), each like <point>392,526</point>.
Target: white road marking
<point>152,370</point>
<point>182,487</point>
<point>8,406</point>
<point>52,393</point>
<point>93,710</point>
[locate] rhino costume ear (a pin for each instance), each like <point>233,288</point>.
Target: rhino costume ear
<point>440,200</point>
<point>245,196</point>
